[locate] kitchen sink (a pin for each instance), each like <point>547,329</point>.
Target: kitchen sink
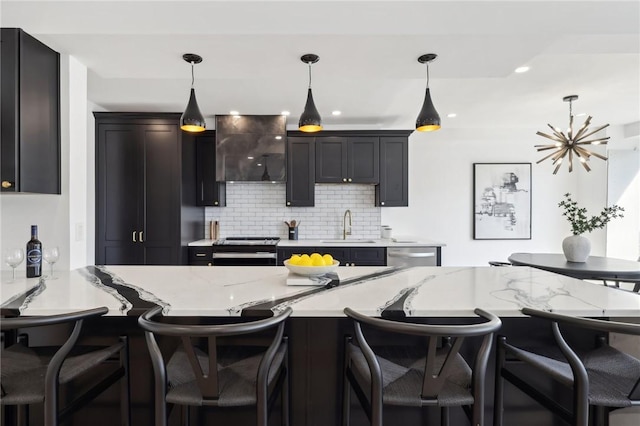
<point>349,241</point>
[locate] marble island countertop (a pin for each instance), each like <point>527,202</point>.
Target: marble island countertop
<point>233,291</point>
<point>349,242</point>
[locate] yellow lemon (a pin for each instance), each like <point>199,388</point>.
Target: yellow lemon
<point>294,260</point>
<point>305,256</point>
<point>315,256</point>
<point>328,259</point>
<point>305,261</point>
<point>317,261</point>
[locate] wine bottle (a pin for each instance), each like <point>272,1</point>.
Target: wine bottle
<point>34,254</point>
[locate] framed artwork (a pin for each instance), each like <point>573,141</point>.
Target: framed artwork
<point>502,201</point>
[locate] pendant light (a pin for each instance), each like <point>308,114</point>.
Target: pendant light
<point>192,119</point>
<point>310,120</point>
<point>428,119</point>
<point>572,143</point>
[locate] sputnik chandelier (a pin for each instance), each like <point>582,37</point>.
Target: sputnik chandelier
<point>572,143</point>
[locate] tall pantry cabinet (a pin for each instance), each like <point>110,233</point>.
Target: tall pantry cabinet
<point>146,209</point>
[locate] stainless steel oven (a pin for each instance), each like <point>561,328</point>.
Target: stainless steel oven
<point>245,251</point>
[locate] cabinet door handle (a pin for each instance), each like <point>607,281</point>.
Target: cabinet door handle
<point>6,184</point>
<point>288,203</point>
<point>201,254</point>
<point>133,237</point>
<point>140,237</point>
<point>344,179</point>
<point>382,203</point>
<point>349,179</point>
<point>202,190</point>
<point>215,203</point>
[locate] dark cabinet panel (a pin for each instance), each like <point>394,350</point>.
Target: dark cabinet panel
<point>141,215</point>
<point>348,256</point>
<point>393,190</point>
<point>201,256</point>
<point>300,172</point>
<point>30,114</point>
<point>350,159</point>
<point>209,192</point>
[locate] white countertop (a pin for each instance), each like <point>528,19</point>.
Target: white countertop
<point>349,242</point>
<point>226,291</point>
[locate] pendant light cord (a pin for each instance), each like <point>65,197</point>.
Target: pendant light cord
<point>309,75</point>
<point>427,75</point>
<point>192,78</point>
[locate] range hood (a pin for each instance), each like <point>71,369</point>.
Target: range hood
<point>251,148</point>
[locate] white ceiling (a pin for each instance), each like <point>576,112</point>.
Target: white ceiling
<point>368,51</point>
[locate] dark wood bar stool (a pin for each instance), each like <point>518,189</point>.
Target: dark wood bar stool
<point>209,369</point>
<point>601,379</point>
<point>431,374</point>
<point>34,375</point>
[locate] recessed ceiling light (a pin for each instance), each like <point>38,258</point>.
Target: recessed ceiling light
<point>235,113</point>
<point>452,115</point>
<point>285,113</point>
<point>259,164</point>
<point>278,137</point>
<point>249,158</point>
<point>336,112</point>
<point>520,70</point>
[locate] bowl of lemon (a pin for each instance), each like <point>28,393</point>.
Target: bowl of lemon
<point>311,264</point>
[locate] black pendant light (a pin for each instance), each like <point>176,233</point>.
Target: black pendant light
<point>428,119</point>
<point>192,119</point>
<point>310,120</point>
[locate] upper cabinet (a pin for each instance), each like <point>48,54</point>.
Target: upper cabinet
<point>30,114</point>
<point>209,191</point>
<point>347,159</point>
<point>393,190</point>
<point>301,172</point>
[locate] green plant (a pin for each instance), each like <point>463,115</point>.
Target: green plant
<point>578,216</point>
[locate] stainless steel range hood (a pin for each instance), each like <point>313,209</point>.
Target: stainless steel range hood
<point>251,148</point>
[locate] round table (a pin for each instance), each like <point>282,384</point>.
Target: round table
<point>596,267</point>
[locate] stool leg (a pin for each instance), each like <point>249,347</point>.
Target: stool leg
<point>186,418</point>
<point>444,416</point>
<point>285,398</point>
<point>346,389</point>
<point>22,415</point>
<point>498,401</point>
<point>125,386</point>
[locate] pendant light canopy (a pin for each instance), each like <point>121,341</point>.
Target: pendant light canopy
<point>192,119</point>
<point>310,120</point>
<point>572,143</point>
<point>428,119</point>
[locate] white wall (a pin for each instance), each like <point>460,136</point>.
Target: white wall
<point>56,215</point>
<point>441,197</point>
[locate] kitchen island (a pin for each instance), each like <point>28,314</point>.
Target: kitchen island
<point>318,326</point>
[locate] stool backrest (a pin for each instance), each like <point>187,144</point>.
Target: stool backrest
<point>208,380</point>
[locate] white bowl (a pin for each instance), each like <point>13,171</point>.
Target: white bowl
<point>311,270</point>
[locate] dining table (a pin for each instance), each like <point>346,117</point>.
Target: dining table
<point>595,267</point>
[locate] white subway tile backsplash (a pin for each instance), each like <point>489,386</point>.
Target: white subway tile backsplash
<point>258,210</point>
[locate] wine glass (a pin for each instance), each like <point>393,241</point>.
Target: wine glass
<point>13,257</point>
<point>51,256</point>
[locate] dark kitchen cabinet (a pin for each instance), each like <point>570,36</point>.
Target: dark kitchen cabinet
<point>145,190</point>
<point>30,114</point>
<point>200,256</point>
<point>209,192</point>
<point>348,256</point>
<point>347,159</point>
<point>301,172</point>
<point>393,190</point>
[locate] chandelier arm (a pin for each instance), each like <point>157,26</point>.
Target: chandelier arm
<point>545,147</point>
<point>595,154</point>
<point>583,129</point>
<point>553,138</point>
<point>557,168</point>
<point>601,141</point>
<point>591,133</point>
<point>544,158</point>
<point>560,154</point>
<point>558,133</point>
<point>586,166</point>
<point>584,152</point>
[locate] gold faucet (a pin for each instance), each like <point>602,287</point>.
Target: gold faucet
<point>344,224</point>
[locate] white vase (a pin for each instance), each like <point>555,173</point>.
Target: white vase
<point>576,248</point>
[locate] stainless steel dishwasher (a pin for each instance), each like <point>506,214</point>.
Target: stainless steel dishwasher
<point>413,256</point>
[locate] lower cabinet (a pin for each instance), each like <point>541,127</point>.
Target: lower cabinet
<point>348,256</point>
<point>201,256</point>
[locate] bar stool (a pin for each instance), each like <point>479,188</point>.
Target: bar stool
<point>417,375</point>
<point>603,379</point>
<point>218,373</point>
<point>32,375</point>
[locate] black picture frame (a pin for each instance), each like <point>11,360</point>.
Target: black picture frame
<point>501,201</point>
